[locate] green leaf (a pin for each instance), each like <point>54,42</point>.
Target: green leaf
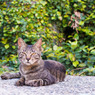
<point>4,41</point>
<point>13,47</point>
<point>73,44</point>
<point>71,56</point>
<point>81,23</point>
<point>7,46</point>
<point>51,55</point>
<point>53,18</point>
<point>58,49</point>
<point>93,52</point>
<point>75,63</point>
<point>76,36</point>
<point>82,65</point>
<point>55,47</point>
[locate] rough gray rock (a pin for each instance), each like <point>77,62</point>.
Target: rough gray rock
<point>73,85</point>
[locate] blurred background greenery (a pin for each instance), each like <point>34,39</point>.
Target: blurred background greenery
<point>67,28</point>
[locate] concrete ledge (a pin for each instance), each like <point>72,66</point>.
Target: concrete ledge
<point>73,85</point>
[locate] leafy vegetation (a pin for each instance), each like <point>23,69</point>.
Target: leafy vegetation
<point>67,28</point>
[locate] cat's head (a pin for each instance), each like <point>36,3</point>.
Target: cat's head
<point>29,54</point>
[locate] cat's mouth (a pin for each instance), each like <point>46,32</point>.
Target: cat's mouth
<point>29,63</point>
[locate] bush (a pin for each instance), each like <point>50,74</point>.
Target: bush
<point>66,27</point>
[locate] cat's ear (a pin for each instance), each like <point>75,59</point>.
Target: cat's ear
<point>38,44</point>
<point>21,43</point>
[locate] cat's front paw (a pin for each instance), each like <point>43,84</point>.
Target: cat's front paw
<point>5,76</point>
<point>34,83</point>
<point>19,83</point>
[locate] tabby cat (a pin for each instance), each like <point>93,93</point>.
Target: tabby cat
<point>33,70</point>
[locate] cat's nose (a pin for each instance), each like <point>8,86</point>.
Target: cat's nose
<point>28,59</point>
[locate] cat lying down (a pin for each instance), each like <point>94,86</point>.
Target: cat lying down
<point>33,70</point>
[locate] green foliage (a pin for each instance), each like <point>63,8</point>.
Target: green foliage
<point>54,21</point>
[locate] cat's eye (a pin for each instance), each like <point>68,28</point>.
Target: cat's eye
<point>21,55</point>
<point>36,55</point>
<point>33,53</point>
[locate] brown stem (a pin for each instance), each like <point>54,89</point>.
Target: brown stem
<point>77,69</point>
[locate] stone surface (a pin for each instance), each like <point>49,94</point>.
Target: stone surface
<point>73,85</point>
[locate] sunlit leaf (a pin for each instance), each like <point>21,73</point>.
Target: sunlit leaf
<point>55,47</point>
<point>71,56</point>
<point>7,46</point>
<point>93,51</point>
<point>75,63</point>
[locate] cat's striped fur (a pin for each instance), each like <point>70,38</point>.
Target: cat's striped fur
<point>34,71</point>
